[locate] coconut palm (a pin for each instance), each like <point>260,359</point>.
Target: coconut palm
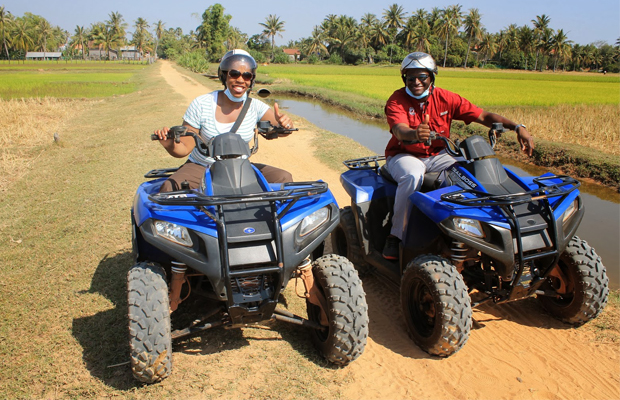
<point>473,30</point>
<point>451,21</point>
<point>343,32</point>
<point>44,31</point>
<point>21,36</point>
<point>379,35</point>
<point>488,46</point>
<point>561,47</point>
<point>141,35</point>
<point>79,37</point>
<point>6,21</point>
<point>540,24</point>
<point>526,41</point>
<point>273,26</point>
<point>316,43</point>
<point>159,32</point>
<point>394,17</point>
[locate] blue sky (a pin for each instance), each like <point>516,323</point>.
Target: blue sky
<point>584,21</point>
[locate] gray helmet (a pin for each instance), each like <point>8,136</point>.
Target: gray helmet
<point>418,60</point>
<point>236,56</point>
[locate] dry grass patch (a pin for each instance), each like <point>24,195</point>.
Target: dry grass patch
<point>28,129</point>
<point>590,126</point>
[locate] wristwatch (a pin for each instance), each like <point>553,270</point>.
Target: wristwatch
<point>518,126</point>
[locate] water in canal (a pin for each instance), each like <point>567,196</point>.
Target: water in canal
<point>600,226</point>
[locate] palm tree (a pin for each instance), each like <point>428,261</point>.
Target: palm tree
<point>316,43</point>
<point>118,30</point>
<point>343,32</point>
<point>364,33</point>
<point>141,35</point>
<point>273,26</point>
<point>488,46</point>
<point>394,20</point>
<point>78,38</point>
<point>540,24</point>
<point>6,21</point>
<point>105,36</point>
<point>159,31</point>
<point>560,45</point>
<point>526,41</point>
<point>44,30</point>
<point>235,38</point>
<point>21,36</point>
<point>450,24</point>
<point>473,30</point>
<point>379,35</point>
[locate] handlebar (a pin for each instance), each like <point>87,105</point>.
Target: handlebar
<point>269,131</point>
<point>175,133</point>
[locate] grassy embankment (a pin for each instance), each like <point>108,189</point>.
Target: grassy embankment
<point>65,246</point>
<point>572,116</point>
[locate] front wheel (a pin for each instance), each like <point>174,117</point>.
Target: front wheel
<point>344,339</point>
<point>149,322</point>
<point>345,240</point>
<point>580,280</point>
<point>436,305</point>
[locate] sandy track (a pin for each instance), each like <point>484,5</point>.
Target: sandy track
<point>515,351</point>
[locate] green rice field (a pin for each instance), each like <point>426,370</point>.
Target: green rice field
<point>66,80</point>
<point>483,88</point>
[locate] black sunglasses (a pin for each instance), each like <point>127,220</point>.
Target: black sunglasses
<point>247,76</point>
<point>421,78</point>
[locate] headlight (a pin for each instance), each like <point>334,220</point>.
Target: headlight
<point>313,221</point>
<point>173,232</point>
<point>469,227</point>
<point>571,210</point>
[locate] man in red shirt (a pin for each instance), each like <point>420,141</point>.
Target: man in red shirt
<point>412,113</point>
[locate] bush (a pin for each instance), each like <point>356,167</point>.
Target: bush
<point>335,59</point>
<point>195,61</point>
<point>313,59</point>
<point>281,58</point>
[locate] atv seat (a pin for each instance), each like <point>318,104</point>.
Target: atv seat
<point>431,179</point>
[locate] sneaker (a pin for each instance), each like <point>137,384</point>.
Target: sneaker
<point>390,250</point>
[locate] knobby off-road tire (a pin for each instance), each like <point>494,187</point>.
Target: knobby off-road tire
<point>436,305</point>
<point>149,322</point>
<point>588,285</point>
<point>344,339</point>
<point>345,241</point>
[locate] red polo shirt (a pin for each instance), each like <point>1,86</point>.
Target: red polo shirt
<point>443,106</point>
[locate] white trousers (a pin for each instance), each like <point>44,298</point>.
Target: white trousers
<point>408,171</point>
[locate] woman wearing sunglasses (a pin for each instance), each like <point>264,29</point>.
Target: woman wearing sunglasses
<point>412,113</point>
<point>215,113</point>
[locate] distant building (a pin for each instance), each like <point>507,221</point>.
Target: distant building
<point>43,55</point>
<point>293,54</point>
<point>101,54</point>
<point>130,53</point>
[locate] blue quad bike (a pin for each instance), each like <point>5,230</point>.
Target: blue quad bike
<point>235,243</point>
<point>480,234</point>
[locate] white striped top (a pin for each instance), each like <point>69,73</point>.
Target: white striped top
<point>201,115</point>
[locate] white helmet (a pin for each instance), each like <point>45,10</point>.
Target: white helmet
<point>419,60</point>
<point>234,56</point>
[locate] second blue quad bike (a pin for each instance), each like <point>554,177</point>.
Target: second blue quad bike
<point>477,233</point>
<point>233,245</point>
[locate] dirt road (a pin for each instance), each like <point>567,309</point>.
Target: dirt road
<point>515,351</point>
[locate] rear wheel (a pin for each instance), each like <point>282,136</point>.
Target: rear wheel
<point>344,339</point>
<point>581,281</point>
<point>345,240</point>
<point>149,322</point>
<point>436,305</point>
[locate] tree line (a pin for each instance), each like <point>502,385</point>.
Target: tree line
<point>453,36</point>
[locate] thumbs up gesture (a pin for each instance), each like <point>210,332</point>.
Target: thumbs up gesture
<point>283,120</point>
<point>423,131</point>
